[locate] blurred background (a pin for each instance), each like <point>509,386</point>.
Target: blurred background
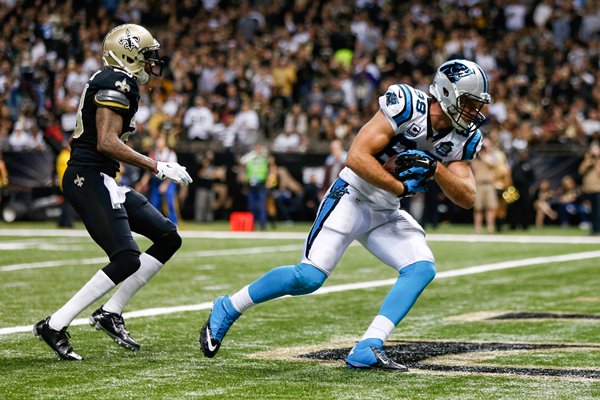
<point>284,86</point>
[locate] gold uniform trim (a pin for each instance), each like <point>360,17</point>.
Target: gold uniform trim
<point>108,103</point>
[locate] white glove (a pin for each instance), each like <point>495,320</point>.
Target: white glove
<point>174,172</point>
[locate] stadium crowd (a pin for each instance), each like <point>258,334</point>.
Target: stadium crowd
<point>297,75</point>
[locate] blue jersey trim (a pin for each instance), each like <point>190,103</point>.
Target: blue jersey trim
<point>406,113</point>
<point>338,189</point>
<point>471,145</point>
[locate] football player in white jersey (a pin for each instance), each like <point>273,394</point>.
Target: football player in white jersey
<point>435,137</point>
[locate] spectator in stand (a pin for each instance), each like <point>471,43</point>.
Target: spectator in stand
<point>523,177</point>
<point>26,134</point>
<point>334,163</point>
<point>591,124</point>
<point>198,120</point>
<point>486,201</point>
<point>544,200</point>
<point>26,91</point>
<point>570,206</point>
<point>205,194</point>
<point>589,169</point>
<point>247,125</point>
<point>256,164</point>
<point>312,196</point>
<point>284,78</point>
<point>288,141</point>
<point>296,120</point>
<point>162,194</point>
<point>288,195</point>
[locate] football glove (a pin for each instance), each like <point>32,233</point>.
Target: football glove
<point>174,172</point>
<point>414,168</point>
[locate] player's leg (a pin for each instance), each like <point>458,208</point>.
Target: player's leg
<point>145,220</point>
<point>340,219</point>
<point>401,244</point>
<point>109,228</point>
<point>149,222</point>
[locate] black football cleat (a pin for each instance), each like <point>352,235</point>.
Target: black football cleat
<point>114,326</point>
<point>368,354</point>
<point>57,340</point>
<point>221,317</point>
<point>208,344</point>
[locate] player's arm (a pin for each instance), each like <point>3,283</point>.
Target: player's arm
<point>457,182</point>
<point>371,139</point>
<point>109,125</point>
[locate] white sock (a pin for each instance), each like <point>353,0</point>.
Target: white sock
<point>149,266</point>
<point>241,300</point>
<point>380,328</point>
<point>98,286</point>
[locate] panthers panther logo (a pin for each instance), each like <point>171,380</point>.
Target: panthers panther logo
<point>456,71</point>
<point>129,41</point>
<point>391,98</point>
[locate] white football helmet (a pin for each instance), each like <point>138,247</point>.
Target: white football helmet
<point>461,87</point>
<point>132,48</point>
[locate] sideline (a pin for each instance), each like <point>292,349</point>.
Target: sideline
<point>478,269</point>
<point>523,239</point>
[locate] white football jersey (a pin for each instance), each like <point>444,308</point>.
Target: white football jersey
<point>407,110</point>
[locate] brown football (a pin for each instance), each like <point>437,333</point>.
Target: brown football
<point>390,165</point>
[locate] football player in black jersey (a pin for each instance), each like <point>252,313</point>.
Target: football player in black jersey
<point>110,212</point>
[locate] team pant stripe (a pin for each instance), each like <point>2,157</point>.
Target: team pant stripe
<point>325,210</point>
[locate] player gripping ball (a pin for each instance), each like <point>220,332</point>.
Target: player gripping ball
<point>414,168</point>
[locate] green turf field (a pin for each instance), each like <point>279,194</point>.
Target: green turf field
<point>459,340</point>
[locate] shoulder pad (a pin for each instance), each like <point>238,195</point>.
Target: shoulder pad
<point>112,99</point>
<point>396,104</point>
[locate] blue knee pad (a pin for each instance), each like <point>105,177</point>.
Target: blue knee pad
<point>308,278</point>
<point>288,280</point>
<point>403,295</point>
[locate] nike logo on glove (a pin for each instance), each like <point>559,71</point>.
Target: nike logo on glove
<point>209,343</point>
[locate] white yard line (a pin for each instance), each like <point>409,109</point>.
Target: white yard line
<point>194,254</point>
<point>434,237</point>
<point>351,286</point>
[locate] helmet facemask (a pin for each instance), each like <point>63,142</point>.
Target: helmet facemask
<point>153,65</point>
<point>467,112</point>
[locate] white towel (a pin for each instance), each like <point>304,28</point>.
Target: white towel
<point>117,193</point>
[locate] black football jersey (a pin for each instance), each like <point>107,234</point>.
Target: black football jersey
<point>104,89</point>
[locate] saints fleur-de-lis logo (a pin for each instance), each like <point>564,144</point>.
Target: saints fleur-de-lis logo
<point>129,41</point>
<point>122,85</point>
<point>79,180</point>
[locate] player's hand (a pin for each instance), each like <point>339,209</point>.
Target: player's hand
<point>174,172</point>
<point>414,168</point>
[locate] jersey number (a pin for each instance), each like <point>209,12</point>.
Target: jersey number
<point>420,106</point>
<point>79,123</point>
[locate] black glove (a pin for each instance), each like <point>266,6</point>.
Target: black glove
<point>414,168</point>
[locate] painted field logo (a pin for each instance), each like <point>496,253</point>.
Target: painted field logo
<point>470,357</point>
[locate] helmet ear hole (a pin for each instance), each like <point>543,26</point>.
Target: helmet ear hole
<point>446,92</point>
